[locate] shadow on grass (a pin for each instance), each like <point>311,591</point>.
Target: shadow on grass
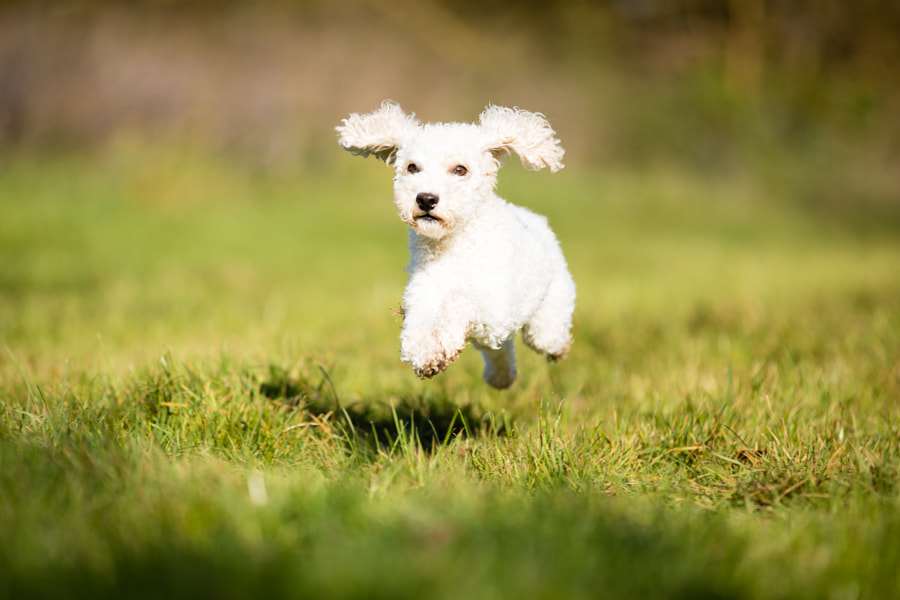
<point>430,421</point>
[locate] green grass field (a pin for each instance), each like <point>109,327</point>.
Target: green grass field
<point>202,396</point>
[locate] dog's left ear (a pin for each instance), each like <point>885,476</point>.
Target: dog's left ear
<point>526,133</point>
<point>380,132</point>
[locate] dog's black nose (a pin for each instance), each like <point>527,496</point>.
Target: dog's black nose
<point>426,201</point>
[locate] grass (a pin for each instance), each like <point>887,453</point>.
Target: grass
<point>201,393</point>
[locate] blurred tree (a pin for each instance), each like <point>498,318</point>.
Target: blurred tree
<point>266,75</point>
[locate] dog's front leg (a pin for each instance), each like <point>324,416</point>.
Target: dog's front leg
<point>433,336</point>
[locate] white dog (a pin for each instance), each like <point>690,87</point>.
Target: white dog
<point>481,269</point>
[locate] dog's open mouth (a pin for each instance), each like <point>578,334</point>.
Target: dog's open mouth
<point>427,217</point>
<point>429,224</point>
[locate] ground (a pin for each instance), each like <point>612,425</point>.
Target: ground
<point>201,390</point>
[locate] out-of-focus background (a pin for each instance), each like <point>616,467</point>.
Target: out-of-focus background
<point>170,176</point>
<point>187,256</point>
<point>710,83</point>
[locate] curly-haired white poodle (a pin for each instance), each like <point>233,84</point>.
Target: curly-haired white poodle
<point>481,269</point>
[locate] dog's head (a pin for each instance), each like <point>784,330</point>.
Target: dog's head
<point>445,172</point>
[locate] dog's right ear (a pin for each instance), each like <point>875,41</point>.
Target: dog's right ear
<point>380,132</point>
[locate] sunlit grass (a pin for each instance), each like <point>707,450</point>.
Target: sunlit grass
<point>201,392</point>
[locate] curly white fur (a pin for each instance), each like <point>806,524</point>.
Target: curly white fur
<point>481,269</point>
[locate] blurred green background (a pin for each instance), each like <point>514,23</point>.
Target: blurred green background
<point>710,83</point>
<point>170,177</point>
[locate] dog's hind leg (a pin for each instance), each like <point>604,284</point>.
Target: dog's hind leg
<point>499,364</point>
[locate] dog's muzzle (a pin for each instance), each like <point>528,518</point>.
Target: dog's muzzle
<point>426,201</point>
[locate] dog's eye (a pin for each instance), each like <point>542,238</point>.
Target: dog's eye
<point>459,170</point>
<point>412,168</point>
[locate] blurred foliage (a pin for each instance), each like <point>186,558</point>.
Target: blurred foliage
<point>708,82</point>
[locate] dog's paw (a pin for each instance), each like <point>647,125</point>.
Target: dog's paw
<point>500,380</point>
<point>558,356</point>
<point>429,354</point>
<point>435,365</point>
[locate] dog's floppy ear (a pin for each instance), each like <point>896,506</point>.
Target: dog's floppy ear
<point>526,133</point>
<point>380,132</point>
